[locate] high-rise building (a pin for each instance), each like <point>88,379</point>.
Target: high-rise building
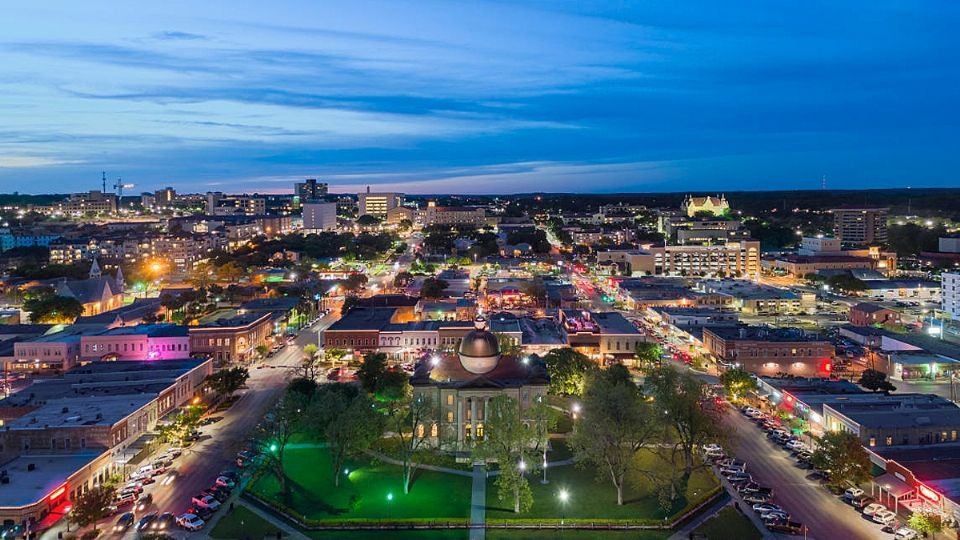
<point>165,196</point>
<point>319,217</point>
<point>860,226</point>
<point>310,190</point>
<point>378,204</point>
<point>950,293</point>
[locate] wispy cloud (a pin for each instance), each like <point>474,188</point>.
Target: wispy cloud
<point>27,162</point>
<point>174,35</point>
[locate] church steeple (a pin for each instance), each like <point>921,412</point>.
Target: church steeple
<point>95,270</point>
<point>119,278</point>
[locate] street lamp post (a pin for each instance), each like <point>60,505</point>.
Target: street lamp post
<point>563,508</point>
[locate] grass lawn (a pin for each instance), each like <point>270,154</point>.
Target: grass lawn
<point>492,534</point>
<point>242,523</point>
<point>729,524</point>
<point>369,491</point>
<point>590,498</point>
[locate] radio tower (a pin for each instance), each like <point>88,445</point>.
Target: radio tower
<point>823,183</point>
<point>104,181</point>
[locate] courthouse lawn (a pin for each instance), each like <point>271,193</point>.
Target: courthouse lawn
<point>593,498</point>
<point>241,522</point>
<point>433,496</point>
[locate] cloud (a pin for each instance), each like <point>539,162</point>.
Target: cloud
<point>27,162</point>
<point>174,35</point>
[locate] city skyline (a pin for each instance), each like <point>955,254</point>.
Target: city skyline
<point>480,98</point>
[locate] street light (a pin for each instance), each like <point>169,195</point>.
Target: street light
<point>563,507</point>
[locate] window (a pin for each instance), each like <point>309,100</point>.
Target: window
<point>433,430</point>
<point>420,431</point>
<point>450,416</point>
<point>450,402</point>
<point>873,441</point>
<point>889,441</point>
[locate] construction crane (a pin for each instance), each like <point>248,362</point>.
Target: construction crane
<point>120,186</point>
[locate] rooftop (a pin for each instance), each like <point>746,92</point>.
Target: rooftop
<point>50,472</point>
<point>232,322</point>
<point>363,318</point>
<point>149,330</point>
<point>81,412</point>
<point>766,333</point>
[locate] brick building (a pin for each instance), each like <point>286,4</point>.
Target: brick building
<point>771,351</point>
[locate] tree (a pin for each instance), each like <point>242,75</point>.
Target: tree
<point>536,290</point>
<point>275,431</point>
<point>231,271</point>
<point>227,381</point>
<point>687,422</point>
<point>616,423</point>
<point>371,371</point>
<point>876,381</point>
<point>433,287</point>
<point>334,355</point>
<point>507,439</point>
<point>410,418</point>
<point>846,283</point>
<point>262,350</point>
<point>308,366</point>
<point>402,279</point>
<point>842,456</point>
<point>405,224</point>
<point>92,505</point>
<point>648,353</point>
<point>53,309</point>
<point>926,522</point>
<point>737,382</point>
<point>349,302</point>
<point>368,220</point>
<point>346,420</point>
<point>567,368</point>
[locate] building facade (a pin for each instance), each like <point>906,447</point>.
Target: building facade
<point>318,217</point>
<point>770,352</point>
<point>860,226</point>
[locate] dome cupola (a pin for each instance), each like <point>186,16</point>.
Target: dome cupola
<point>479,350</point>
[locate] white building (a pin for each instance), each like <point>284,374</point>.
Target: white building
<point>319,217</point>
<point>950,293</point>
<point>378,204</point>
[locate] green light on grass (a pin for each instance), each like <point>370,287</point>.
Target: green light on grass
<point>273,447</point>
<point>389,497</point>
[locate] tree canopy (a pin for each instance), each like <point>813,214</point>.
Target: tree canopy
<point>842,456</point>
<point>875,381</point>
<point>567,369</point>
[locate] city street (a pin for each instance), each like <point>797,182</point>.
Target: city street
<point>199,465</point>
<point>827,517</point>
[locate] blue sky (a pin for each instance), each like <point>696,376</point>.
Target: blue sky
<point>479,97</point>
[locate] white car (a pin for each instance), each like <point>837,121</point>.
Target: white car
<point>850,493</point>
<point>797,445</point>
<point>884,517</point>
<point>873,508</point>
<point>207,501</point>
<point>190,522</point>
<point>906,533</point>
<point>712,448</point>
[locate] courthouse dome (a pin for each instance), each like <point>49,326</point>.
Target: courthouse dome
<point>479,350</point>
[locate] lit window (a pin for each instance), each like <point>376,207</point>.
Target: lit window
<point>873,442</point>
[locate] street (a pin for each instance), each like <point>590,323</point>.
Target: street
<point>808,502</point>
<point>216,450</point>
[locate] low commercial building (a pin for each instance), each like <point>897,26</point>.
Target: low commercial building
<point>359,330</point>
<point>910,357</point>
<point>867,314</point>
<point>771,351</point>
<point>71,433</point>
<point>897,420</point>
<point>604,335</point>
<point>233,339</point>
<point>140,342</point>
<point>902,289</point>
<point>926,478</point>
<point>51,353</point>
<point>950,293</point>
<point>754,299</point>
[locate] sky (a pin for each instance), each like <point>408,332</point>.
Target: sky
<point>478,96</point>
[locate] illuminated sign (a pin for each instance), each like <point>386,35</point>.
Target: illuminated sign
<point>57,492</point>
<point>928,493</point>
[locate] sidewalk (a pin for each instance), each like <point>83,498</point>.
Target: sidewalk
<point>478,503</point>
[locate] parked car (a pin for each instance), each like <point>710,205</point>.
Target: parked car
<point>884,517</point>
<point>739,478</point>
<point>731,471</point>
<point>788,527</point>
<point>124,522</point>
<point>861,501</point>
<point>206,501</point>
<point>708,448</point>
<point>872,509</point>
<point>766,507</point>
<point>906,533</point>
<point>190,522</point>
<point>201,512</point>
<point>852,492</point>
<point>754,498</point>
<point>224,481</point>
<point>795,445</point>
<point>775,515</point>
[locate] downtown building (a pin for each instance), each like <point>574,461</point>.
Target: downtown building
<point>860,226</point>
<point>770,352</point>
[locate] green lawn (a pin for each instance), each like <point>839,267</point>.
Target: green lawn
<point>590,498</point>
<point>729,524</point>
<point>242,523</point>
<point>492,534</point>
<point>369,491</point>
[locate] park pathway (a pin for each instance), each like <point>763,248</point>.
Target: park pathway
<point>478,503</point>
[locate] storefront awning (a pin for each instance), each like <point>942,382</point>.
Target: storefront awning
<point>893,485</point>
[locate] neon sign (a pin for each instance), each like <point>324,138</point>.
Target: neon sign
<point>57,492</point>
<point>928,493</point>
